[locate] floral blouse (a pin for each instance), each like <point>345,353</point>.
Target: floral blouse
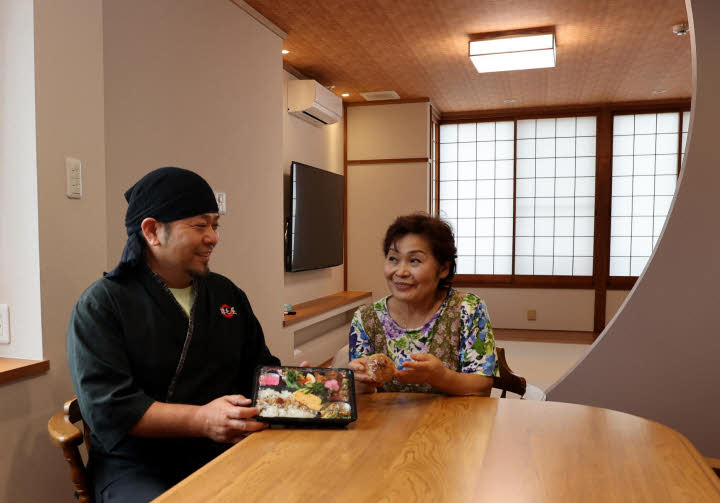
<point>459,334</point>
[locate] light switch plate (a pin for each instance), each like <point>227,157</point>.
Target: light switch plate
<point>4,324</point>
<point>73,178</point>
<point>221,202</point>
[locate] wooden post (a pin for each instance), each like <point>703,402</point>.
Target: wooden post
<point>603,188</point>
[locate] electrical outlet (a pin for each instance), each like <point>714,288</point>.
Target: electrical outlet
<point>532,315</point>
<point>4,324</point>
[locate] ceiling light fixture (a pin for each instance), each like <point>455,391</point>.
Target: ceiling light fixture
<point>510,100</point>
<point>345,95</point>
<point>659,91</point>
<point>285,51</point>
<point>513,50</point>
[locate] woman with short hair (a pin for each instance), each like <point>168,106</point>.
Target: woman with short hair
<point>440,340</point>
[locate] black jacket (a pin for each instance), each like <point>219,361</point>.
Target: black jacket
<point>130,343</point>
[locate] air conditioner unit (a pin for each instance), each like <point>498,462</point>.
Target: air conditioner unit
<point>311,102</point>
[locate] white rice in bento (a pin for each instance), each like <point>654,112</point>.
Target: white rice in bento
<point>274,403</point>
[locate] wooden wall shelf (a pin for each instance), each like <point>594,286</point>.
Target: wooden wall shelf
<point>13,369</point>
<point>317,307</point>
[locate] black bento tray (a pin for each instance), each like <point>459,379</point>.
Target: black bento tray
<point>320,409</point>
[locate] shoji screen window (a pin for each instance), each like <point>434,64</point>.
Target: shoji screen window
<point>555,196</point>
<point>685,129</point>
<point>644,174</point>
<point>433,166</point>
<point>476,193</point>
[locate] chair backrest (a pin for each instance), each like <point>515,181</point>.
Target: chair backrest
<point>507,380</point>
<point>67,436</point>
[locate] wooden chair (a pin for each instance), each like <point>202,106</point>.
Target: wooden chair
<point>509,381</point>
<point>67,436</point>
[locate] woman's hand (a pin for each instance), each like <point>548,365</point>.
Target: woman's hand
<point>363,382</point>
<point>360,371</point>
<point>424,368</point>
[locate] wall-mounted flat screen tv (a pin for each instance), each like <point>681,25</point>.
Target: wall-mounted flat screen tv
<point>314,237</point>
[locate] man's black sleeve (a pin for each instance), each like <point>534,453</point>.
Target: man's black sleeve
<point>110,400</point>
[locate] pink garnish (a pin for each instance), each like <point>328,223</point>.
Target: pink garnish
<point>269,380</point>
<point>332,385</point>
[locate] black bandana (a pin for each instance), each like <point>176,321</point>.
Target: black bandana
<point>166,194</point>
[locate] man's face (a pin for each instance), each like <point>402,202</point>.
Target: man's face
<point>186,245</point>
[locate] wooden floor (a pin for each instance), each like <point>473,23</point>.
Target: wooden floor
<point>556,336</point>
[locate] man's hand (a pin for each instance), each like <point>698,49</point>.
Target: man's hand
<point>424,368</point>
<point>228,419</point>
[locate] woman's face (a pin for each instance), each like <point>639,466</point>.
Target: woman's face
<point>411,271</point>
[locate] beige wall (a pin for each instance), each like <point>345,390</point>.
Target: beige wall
<point>377,193</point>
<point>556,309</point>
<point>614,300</point>
<point>321,147</point>
<point>19,246</point>
<point>197,84</point>
<point>69,118</point>
<point>658,358</point>
<point>388,131</point>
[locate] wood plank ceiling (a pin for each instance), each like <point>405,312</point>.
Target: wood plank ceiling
<point>607,50</point>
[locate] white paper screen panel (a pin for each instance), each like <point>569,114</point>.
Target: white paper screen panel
<point>644,176</point>
<point>476,193</point>
<point>555,196</point>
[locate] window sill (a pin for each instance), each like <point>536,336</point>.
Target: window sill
<point>522,281</point>
<point>13,369</point>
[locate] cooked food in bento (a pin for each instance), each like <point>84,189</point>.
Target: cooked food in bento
<point>305,393</point>
<point>334,410</point>
<point>274,403</point>
<point>311,401</point>
<point>380,368</point>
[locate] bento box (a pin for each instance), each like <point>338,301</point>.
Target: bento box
<point>313,396</point>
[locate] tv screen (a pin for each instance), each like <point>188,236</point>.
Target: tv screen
<point>315,230</point>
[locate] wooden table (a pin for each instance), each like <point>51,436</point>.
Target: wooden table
<point>415,447</point>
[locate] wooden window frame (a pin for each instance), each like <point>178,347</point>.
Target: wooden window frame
<point>605,113</point>
<point>434,141</point>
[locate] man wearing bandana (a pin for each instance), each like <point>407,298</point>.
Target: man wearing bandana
<point>161,350</point>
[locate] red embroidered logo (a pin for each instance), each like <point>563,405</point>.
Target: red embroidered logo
<point>227,311</point>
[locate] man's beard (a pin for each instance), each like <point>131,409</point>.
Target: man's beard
<point>200,274</point>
